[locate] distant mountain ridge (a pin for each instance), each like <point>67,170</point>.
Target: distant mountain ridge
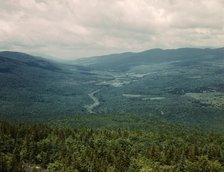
<point>126,60</point>
<point>26,59</point>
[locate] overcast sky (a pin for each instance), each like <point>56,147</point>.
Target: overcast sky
<point>80,28</point>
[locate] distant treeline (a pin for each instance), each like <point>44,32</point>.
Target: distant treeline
<point>24,145</point>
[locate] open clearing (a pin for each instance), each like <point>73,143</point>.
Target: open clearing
<point>210,98</point>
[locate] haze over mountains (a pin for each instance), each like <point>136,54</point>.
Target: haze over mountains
<point>183,85</point>
<point>70,101</point>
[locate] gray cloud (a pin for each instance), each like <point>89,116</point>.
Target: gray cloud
<point>76,28</point>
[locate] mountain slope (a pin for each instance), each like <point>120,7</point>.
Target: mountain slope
<point>36,88</point>
<point>26,59</point>
<point>22,70</point>
<point>125,61</point>
<point>183,85</point>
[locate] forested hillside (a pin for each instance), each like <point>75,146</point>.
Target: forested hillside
<point>172,149</point>
<point>111,86</point>
<point>184,85</point>
<point>158,111</point>
<point>33,88</point>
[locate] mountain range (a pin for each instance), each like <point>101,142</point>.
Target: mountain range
<point>184,85</point>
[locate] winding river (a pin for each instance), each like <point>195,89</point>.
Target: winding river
<point>95,103</point>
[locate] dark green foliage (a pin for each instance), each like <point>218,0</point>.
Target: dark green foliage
<point>175,149</point>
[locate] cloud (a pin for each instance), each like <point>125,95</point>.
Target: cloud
<point>75,28</point>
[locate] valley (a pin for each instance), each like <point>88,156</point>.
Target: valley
<point>159,110</point>
<point>184,85</point>
<point>111,86</point>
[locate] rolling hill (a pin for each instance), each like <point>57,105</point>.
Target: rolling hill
<point>184,85</point>
<point>124,61</point>
<point>34,88</point>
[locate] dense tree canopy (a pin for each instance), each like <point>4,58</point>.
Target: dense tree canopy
<point>25,146</point>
